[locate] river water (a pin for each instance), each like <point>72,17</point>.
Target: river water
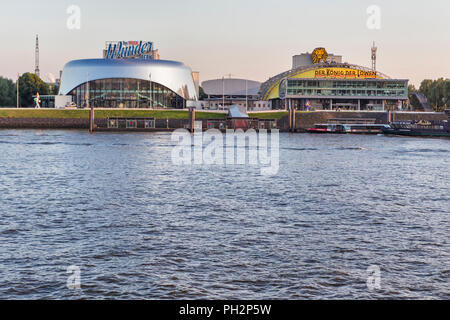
<point>138,227</point>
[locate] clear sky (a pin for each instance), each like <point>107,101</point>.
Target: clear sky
<point>252,39</point>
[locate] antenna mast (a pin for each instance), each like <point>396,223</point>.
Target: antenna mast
<point>36,70</point>
<point>374,57</point>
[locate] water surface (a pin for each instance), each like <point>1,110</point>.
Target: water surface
<point>140,228</point>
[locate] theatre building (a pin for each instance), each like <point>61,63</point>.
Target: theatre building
<point>320,81</point>
<point>226,92</point>
<point>130,75</point>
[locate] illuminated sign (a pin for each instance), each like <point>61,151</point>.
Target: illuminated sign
<point>344,73</point>
<point>279,88</point>
<point>128,50</point>
<point>319,55</point>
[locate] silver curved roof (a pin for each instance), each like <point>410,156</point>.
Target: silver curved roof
<point>171,74</point>
<point>232,87</point>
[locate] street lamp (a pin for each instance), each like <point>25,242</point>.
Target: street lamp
<point>86,96</point>
<point>91,112</point>
<point>223,92</point>
<point>17,83</point>
<point>246,94</point>
<point>151,91</point>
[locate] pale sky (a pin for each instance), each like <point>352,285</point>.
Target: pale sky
<point>253,39</point>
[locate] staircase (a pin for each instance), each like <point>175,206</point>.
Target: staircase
<point>423,102</point>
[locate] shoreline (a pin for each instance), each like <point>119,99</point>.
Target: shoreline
<point>169,120</point>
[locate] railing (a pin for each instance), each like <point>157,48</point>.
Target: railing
<point>130,123</point>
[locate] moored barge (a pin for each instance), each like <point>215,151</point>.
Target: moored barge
<point>355,128</point>
<point>419,128</point>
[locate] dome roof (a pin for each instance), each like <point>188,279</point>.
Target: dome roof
<point>171,74</point>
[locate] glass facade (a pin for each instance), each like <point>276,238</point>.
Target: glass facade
<point>127,93</point>
<point>347,88</point>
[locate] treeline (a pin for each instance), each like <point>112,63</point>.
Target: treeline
<point>29,85</point>
<point>437,93</point>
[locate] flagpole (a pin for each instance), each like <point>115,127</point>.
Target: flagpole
<point>91,112</point>
<point>246,94</point>
<point>17,83</point>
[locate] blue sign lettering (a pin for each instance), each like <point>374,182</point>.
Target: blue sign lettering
<point>128,50</point>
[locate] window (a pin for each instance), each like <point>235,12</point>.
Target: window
<point>131,124</point>
<point>127,93</point>
<point>113,123</point>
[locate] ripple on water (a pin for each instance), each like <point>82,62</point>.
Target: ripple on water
<point>140,228</point>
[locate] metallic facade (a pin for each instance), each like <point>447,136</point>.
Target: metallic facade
<point>126,93</point>
<point>171,74</point>
<point>231,87</point>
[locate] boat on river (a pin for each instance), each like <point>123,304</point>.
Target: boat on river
<point>353,128</point>
<point>419,128</point>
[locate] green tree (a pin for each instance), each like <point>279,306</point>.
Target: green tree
<point>413,101</point>
<point>54,89</point>
<point>412,88</point>
<point>7,93</point>
<point>202,94</point>
<point>437,94</point>
<point>29,85</point>
<point>425,87</point>
<point>447,93</point>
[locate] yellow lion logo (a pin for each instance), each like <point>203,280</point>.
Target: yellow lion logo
<point>319,55</point>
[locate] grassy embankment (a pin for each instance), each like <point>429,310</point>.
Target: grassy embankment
<point>268,115</point>
<point>158,114</point>
<point>84,114</point>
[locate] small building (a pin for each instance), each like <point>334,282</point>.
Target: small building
<point>225,92</point>
<point>239,119</point>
